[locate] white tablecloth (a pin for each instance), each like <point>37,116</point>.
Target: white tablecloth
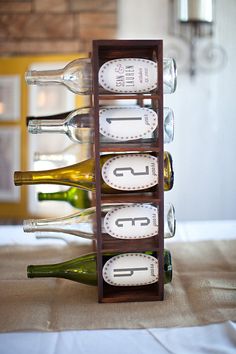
<point>210,339</point>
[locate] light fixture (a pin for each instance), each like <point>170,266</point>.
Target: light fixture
<point>192,21</point>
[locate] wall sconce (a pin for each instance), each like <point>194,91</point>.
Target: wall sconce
<point>192,21</point>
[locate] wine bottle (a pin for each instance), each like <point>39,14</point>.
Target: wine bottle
<point>126,269</point>
<point>139,123</point>
<point>116,170</point>
<point>68,156</point>
<point>124,75</point>
<point>129,221</point>
<point>76,197</point>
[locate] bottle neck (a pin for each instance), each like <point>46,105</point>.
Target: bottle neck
<point>58,225</point>
<point>22,178</point>
<point>81,269</point>
<point>42,77</point>
<point>33,225</point>
<point>79,275</point>
<point>41,271</point>
<point>79,175</point>
<point>48,157</point>
<point>38,126</point>
<point>53,196</point>
<point>75,196</point>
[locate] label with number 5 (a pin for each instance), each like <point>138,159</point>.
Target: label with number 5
<point>132,221</point>
<point>130,172</point>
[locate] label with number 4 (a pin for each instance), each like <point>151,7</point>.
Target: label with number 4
<point>131,269</point>
<point>132,221</point>
<point>130,172</point>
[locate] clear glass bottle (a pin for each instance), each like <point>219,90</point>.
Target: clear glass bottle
<point>68,156</point>
<point>76,197</point>
<point>139,123</point>
<point>124,75</point>
<point>76,76</point>
<point>142,269</point>
<point>129,221</point>
<point>116,173</point>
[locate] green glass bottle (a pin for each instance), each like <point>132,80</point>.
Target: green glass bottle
<point>142,269</point>
<point>129,172</point>
<point>76,197</point>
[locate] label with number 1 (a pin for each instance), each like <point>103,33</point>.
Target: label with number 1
<point>127,123</point>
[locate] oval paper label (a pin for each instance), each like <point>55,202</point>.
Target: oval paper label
<point>131,269</point>
<point>128,75</point>
<point>132,221</point>
<point>131,172</point>
<point>127,123</point>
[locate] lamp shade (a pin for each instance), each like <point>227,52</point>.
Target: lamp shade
<point>195,11</point>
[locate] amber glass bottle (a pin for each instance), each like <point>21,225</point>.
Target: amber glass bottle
<point>120,173</point>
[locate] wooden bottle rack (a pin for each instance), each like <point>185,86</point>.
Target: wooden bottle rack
<point>104,50</point>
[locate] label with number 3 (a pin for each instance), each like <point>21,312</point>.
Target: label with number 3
<point>131,172</point>
<point>132,221</point>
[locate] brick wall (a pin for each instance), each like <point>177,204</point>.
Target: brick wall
<point>54,26</point>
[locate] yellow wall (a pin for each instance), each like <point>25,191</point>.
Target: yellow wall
<point>18,66</point>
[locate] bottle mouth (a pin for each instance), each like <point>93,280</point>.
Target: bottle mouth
<point>36,156</point>
<point>168,166</point>
<point>169,75</point>
<point>22,178</point>
<point>34,126</point>
<point>28,225</point>
<point>168,266</point>
<point>29,271</point>
<point>28,119</point>
<point>174,73</point>
<point>168,125</point>
<point>17,178</point>
<point>171,221</point>
<point>40,196</point>
<point>29,77</point>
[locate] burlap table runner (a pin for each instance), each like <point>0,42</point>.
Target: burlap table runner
<point>202,292</point>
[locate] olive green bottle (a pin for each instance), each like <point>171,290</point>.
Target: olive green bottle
<point>76,197</point>
<point>84,269</point>
<point>129,172</point>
